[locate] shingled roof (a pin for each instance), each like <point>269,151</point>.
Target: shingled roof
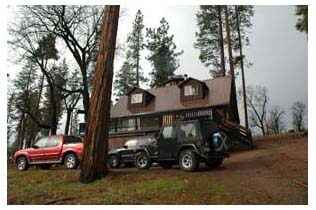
<point>168,99</point>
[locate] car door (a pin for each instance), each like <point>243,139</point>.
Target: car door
<point>52,149</point>
<point>167,142</point>
<point>37,153</point>
<point>127,153</point>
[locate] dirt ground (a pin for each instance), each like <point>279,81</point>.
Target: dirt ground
<point>274,173</point>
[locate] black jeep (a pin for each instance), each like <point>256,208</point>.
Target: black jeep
<point>186,143</point>
<point>126,154</point>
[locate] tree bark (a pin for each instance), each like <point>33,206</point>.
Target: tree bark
<point>69,112</point>
<point>229,44</point>
<point>231,66</point>
<point>98,121</point>
<point>242,69</point>
<point>221,40</point>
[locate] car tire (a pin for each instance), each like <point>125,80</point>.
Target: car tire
<point>142,161</point>
<point>214,163</point>
<point>71,161</point>
<point>114,161</point>
<point>22,164</point>
<point>188,160</point>
<point>45,166</point>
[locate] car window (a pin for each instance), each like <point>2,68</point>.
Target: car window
<point>131,143</point>
<point>53,141</point>
<point>168,132</point>
<point>188,130</point>
<point>41,142</point>
<point>72,140</point>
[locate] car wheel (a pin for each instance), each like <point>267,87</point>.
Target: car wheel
<point>45,166</point>
<point>22,164</point>
<point>214,163</point>
<point>114,161</point>
<point>142,160</point>
<point>188,161</point>
<point>71,161</point>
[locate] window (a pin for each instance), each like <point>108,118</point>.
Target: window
<point>53,141</point>
<point>41,142</point>
<point>136,98</point>
<point>131,143</point>
<point>188,130</point>
<point>190,90</point>
<point>168,132</point>
<point>72,140</point>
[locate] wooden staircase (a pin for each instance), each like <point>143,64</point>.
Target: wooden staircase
<point>237,132</point>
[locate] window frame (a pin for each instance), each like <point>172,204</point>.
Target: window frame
<point>139,101</point>
<point>188,90</point>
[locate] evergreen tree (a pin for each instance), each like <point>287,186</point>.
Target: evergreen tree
<point>125,77</point>
<point>135,43</point>
<point>302,22</point>
<point>130,74</point>
<point>163,55</point>
<point>210,38</point>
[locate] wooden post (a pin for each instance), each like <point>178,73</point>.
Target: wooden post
<point>98,121</point>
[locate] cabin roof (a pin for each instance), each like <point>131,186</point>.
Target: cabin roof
<point>168,99</point>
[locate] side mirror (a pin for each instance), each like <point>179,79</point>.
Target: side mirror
<point>125,146</point>
<point>35,146</point>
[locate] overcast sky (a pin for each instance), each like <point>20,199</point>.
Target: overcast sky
<point>278,50</point>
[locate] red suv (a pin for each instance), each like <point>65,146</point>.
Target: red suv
<point>59,149</point>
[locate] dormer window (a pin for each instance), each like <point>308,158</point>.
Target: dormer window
<point>136,98</point>
<point>191,90</point>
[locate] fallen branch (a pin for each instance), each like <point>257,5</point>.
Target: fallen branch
<point>59,199</point>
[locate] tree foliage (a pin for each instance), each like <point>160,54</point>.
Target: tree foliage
<point>163,56</point>
<point>302,22</point>
<point>78,27</point>
<point>211,35</point>
<point>130,74</point>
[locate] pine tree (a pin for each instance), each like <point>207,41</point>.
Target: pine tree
<point>126,77</point>
<point>135,43</point>
<point>163,55</point>
<point>210,38</point>
<point>302,22</point>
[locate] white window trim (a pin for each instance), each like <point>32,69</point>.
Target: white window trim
<point>136,100</point>
<point>189,91</point>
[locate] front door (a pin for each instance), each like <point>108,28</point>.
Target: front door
<point>37,153</point>
<point>168,143</point>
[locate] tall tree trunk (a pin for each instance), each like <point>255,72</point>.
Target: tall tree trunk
<point>34,127</point>
<point>21,133</point>
<point>242,69</point>
<point>229,45</point>
<point>69,112</point>
<point>221,40</point>
<point>137,63</point>
<point>233,102</point>
<point>97,128</point>
<point>85,93</point>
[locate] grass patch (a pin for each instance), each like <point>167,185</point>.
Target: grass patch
<point>140,187</point>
